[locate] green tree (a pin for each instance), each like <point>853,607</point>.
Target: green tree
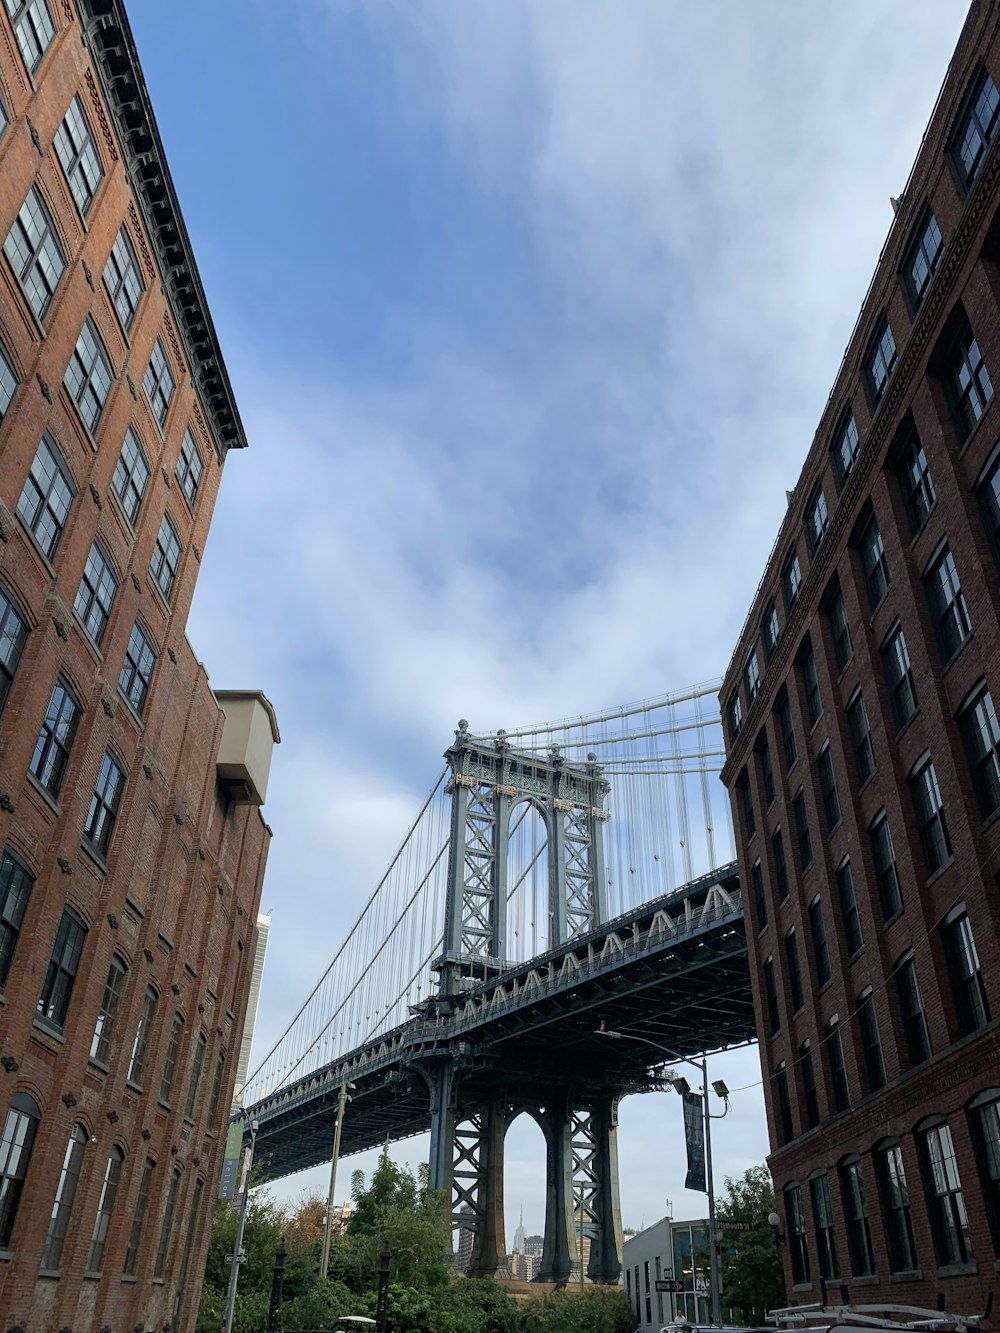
<point>261,1235</point>
<point>400,1210</point>
<point>593,1310</point>
<point>753,1281</point>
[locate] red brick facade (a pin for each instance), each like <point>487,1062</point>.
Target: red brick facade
<point>167,895</point>
<point>920,1078</point>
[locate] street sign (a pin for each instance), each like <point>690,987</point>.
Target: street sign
<point>240,1258</point>
<point>733,1224</point>
<point>670,1284</point>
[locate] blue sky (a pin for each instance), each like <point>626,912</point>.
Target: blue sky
<point>531,308</point>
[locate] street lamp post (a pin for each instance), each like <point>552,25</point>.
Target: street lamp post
<point>344,1098</point>
<point>234,1271</point>
<point>681,1085</point>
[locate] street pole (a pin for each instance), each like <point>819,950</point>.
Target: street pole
<point>234,1270</point>
<point>715,1277</point>
<point>324,1262</point>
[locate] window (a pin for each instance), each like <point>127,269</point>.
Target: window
<point>62,1207</point>
<point>8,382</point>
<point>16,883</point>
<point>794,970</point>
<point>200,1047</point>
<point>158,383</point>
<point>968,384</point>
<point>34,253</point>
<point>770,630</point>
<point>899,678</point>
<point>163,1248</point>
<point>194,1217</point>
<point>33,28</point>
<point>810,683</point>
<point>988,494</point>
<point>820,948</point>
<point>826,1241</point>
<point>975,129</point>
<point>922,257</point>
<point>140,1047</point>
<point>782,1105</point>
<point>170,1063</point>
<point>89,376</point>
<point>886,874</point>
<point>859,1232</point>
<point>911,1008</point>
<point>949,612</point>
<point>13,636</point>
<point>766,771</point>
<point>213,1105</point>
<point>166,558</point>
<point>105,1207</point>
<point>746,805</point>
<point>18,1140</point>
<point>104,805</point>
<point>985,1118</point>
<point>871,1044</point>
<point>971,1006</point>
<point>926,796</point>
<point>849,915</point>
<point>771,996</point>
<point>734,712</point>
<point>874,564</point>
<point>810,1101</point>
<point>123,279</point>
<point>60,976</point>
<point>137,669</point>
<point>981,733</point>
<point>828,788</point>
<point>55,739</point>
<point>843,648</point>
<point>107,1017</point>
<point>845,447</point>
<point>797,1247</point>
<point>131,476</point>
<point>817,519</point>
<point>803,840</point>
<point>780,868</point>
<point>783,714</point>
<point>47,495</point>
<point>916,483</point>
<point>879,361</point>
<point>896,1208</point>
<point>131,1267</point>
<point>836,1068</point>
<point>77,152</point>
<point>96,593</point>
<point>791,578</point>
<point>861,738</point>
<point>945,1200</point>
<point>190,467</point>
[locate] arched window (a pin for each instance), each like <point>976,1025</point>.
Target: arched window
<point>62,1206</point>
<point>105,1207</point>
<point>15,1157</point>
<point>855,1201</point>
<point>168,1225</point>
<point>131,1267</point>
<point>107,1017</point>
<point>200,1047</point>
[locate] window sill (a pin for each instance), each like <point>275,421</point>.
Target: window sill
<point>6,1256</point>
<point>867,782</point>
<point>164,602</point>
<point>130,707</point>
<point>947,666</point>
<point>932,879</point>
<point>98,1064</point>
<point>158,1281</point>
<point>163,1105</point>
<point>131,1084</point>
<point>963,447</point>
<point>120,512</point>
<point>990,820</point>
<point>866,1280</point>
<point>892,918</point>
<point>91,1276</point>
<point>901,732</point>
<point>45,794</point>
<point>77,415</point>
<point>94,855</point>
<point>853,957</point>
<point>50,1029</point>
<point>957,1270</point>
<point>130,1278</point>
<point>93,647</point>
<point>909,1275</point>
<point>802,1286</point>
<point>55,1273</point>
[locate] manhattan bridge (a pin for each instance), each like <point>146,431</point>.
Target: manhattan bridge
<point>556,879</point>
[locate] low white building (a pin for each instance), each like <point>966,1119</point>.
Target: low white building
<point>668,1250</point>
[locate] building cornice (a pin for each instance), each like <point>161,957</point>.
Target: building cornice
<point>110,41</point>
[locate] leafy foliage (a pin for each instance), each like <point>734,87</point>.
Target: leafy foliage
<point>593,1310</point>
<point>753,1281</point>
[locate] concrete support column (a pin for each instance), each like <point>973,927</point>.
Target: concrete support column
<point>442,1131</point>
<point>606,1247</point>
<point>559,1244</point>
<point>489,1253</point>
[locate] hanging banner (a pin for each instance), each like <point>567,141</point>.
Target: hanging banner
<point>694,1137</point>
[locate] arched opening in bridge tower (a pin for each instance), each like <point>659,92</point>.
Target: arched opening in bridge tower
<point>524,1194</point>
<point>528,926</point>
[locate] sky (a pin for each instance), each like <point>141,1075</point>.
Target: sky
<point>531,308</point>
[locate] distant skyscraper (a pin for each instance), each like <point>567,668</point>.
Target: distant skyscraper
<point>243,1067</point>
<point>519,1234</point>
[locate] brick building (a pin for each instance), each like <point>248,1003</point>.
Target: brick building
<point>864,758</point>
<point>132,847</point>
